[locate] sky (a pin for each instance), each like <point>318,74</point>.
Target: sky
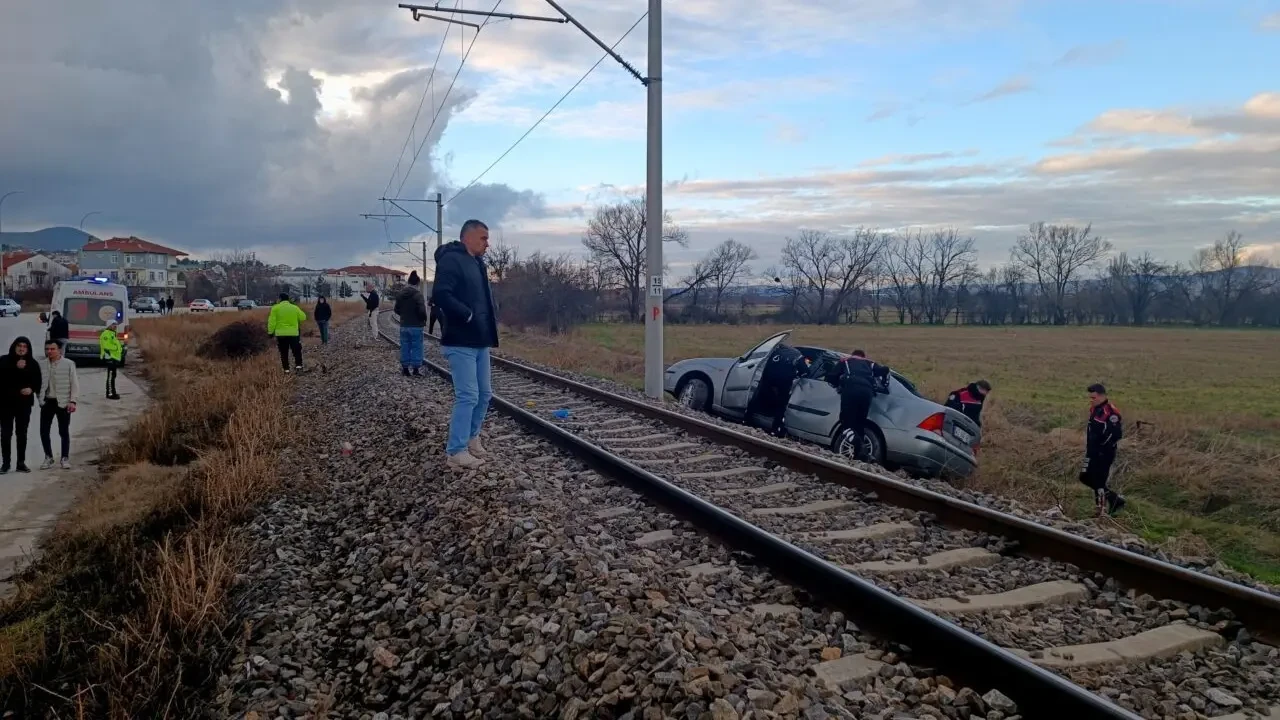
<point>271,125</point>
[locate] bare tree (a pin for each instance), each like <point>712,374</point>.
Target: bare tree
<point>858,255</point>
<point>1056,255</point>
<point>812,261</point>
<point>693,283</point>
<point>727,264</point>
<point>499,259</point>
<point>552,292</point>
<point>952,265</point>
<point>1138,281</point>
<point>1227,277</point>
<point>616,240</point>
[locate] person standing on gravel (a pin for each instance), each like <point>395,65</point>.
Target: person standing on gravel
<point>111,351</point>
<point>285,325</point>
<point>61,387</point>
<point>324,313</point>
<point>1102,436</point>
<point>371,303</point>
<point>857,379</point>
<point>20,383</point>
<point>411,307</point>
<point>468,330</point>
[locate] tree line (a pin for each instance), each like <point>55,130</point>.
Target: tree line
<point>1056,274</point>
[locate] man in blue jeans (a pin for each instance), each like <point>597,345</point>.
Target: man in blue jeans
<point>468,329</point>
<point>412,309</point>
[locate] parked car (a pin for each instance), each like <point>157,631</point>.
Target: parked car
<point>246,304</point>
<point>9,307</point>
<point>200,306</point>
<point>145,305</point>
<point>907,430</point>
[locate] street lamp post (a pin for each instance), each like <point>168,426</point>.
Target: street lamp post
<point>653,320</point>
<point>4,275</point>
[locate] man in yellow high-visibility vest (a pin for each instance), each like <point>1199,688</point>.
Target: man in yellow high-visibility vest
<point>112,351</point>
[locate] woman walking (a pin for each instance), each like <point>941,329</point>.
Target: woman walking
<point>324,313</point>
<point>20,380</point>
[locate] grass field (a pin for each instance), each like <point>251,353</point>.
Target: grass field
<point>1200,461</point>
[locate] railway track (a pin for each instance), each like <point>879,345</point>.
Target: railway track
<point>1065,626</point>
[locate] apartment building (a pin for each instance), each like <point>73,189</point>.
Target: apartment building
<point>24,270</point>
<point>146,268</point>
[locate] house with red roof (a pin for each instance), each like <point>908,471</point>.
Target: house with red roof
<point>25,269</point>
<point>146,268</point>
<point>381,277</point>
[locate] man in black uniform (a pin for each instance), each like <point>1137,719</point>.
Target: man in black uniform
<point>781,369</point>
<point>1105,429</point>
<point>969,400</point>
<point>857,378</point>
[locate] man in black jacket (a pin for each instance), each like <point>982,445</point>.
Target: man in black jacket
<point>781,369</point>
<point>412,309</point>
<point>468,329</point>
<point>857,379</point>
<point>1102,436</point>
<point>970,399</point>
<point>20,382</point>
<point>371,302</point>
<point>59,330</point>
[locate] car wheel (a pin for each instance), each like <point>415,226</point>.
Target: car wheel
<point>694,394</point>
<point>872,445</point>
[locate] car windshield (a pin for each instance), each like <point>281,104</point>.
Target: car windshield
<point>910,386</point>
<point>96,312</point>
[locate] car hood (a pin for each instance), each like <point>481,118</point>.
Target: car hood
<point>709,363</point>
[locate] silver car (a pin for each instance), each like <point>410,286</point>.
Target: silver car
<point>907,430</point>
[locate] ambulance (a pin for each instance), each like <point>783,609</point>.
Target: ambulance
<point>90,304</point>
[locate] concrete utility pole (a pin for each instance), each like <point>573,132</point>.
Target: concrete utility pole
<point>653,320</point>
<point>4,275</point>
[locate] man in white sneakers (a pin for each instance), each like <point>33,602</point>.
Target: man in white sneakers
<point>61,387</point>
<point>371,303</point>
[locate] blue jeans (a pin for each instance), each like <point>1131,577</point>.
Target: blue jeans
<point>472,390</point>
<point>324,331</point>
<point>411,347</point>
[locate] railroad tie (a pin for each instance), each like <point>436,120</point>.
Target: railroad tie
<point>764,610</point>
<point>945,560</point>
<point>613,513</point>
<point>1054,592</point>
<point>878,531</point>
<point>633,428</point>
<point>634,439</point>
<point>1272,714</point>
<point>1162,642</point>
<point>806,509</point>
<point>763,490</point>
<point>719,474</point>
<point>656,537</point>
<point>664,448</point>
<point>682,461</point>
<point>856,669</point>
<point>706,569</point>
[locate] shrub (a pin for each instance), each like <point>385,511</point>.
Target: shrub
<point>236,341</point>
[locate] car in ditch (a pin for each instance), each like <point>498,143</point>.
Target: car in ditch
<point>905,429</point>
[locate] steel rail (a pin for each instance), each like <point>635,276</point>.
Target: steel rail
<point>1258,610</point>
<point>982,665</point>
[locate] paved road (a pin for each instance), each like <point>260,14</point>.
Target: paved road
<point>31,502</point>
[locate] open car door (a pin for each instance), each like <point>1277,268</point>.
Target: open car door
<point>744,376</point>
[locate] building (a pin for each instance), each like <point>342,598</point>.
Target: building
<point>381,277</point>
<point>303,282</point>
<point>24,270</point>
<point>144,267</point>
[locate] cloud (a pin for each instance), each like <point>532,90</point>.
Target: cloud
<point>884,111</point>
<point>1270,23</point>
<point>914,158</point>
<point>1092,54</point>
<point>1015,85</point>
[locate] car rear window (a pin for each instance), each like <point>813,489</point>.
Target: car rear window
<point>95,312</point>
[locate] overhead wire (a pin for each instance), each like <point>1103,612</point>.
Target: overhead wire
<point>552,109</point>
<point>428,88</point>
<point>440,107</point>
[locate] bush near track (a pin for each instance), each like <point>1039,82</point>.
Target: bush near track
<point>1202,414</point>
<point>124,615</point>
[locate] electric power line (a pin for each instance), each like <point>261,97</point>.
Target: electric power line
<point>440,108</point>
<point>548,112</point>
<point>431,79</point>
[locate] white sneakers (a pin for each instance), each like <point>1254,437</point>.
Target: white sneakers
<point>465,460</point>
<point>476,449</point>
<point>49,463</point>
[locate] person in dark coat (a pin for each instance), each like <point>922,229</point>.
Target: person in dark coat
<point>970,399</point>
<point>20,383</point>
<point>1102,437</point>
<point>371,303</point>
<point>857,379</point>
<point>59,330</point>
<point>411,307</point>
<point>781,369</point>
<point>323,313</point>
<point>468,330</point>
<point>168,305</point>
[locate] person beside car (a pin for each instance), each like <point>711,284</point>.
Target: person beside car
<point>857,379</point>
<point>969,400</point>
<point>781,369</point>
<point>20,383</point>
<point>59,330</point>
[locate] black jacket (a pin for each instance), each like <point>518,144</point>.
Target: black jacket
<point>468,317</point>
<point>967,400</point>
<point>1106,427</point>
<point>855,374</point>
<point>411,307</point>
<point>13,378</point>
<point>785,365</point>
<point>435,318</point>
<point>323,312</point>
<point>58,328</point>
<point>371,301</point>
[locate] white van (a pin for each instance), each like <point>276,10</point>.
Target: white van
<point>90,305</point>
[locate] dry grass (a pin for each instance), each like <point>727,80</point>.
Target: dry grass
<point>1203,416</point>
<point>124,616</point>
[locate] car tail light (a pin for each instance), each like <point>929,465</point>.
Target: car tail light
<point>933,423</point>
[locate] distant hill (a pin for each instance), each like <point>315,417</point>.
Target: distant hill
<point>54,239</point>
